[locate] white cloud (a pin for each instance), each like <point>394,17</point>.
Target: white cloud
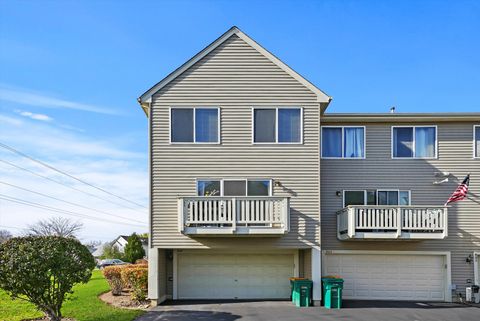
<point>30,98</point>
<point>41,117</point>
<point>110,164</point>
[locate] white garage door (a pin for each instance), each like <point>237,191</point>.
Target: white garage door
<point>234,276</point>
<point>389,277</point>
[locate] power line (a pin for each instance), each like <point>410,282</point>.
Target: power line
<point>61,211</point>
<point>13,150</point>
<point>71,203</point>
<point>66,185</point>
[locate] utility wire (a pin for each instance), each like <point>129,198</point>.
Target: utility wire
<point>13,150</point>
<point>71,203</point>
<point>61,211</point>
<point>66,185</point>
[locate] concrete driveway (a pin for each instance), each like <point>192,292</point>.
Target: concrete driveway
<point>285,311</point>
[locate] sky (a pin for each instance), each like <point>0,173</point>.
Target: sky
<point>71,71</point>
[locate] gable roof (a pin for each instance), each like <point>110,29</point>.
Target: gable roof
<point>145,98</point>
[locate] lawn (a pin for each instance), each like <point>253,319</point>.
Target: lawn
<point>83,305</point>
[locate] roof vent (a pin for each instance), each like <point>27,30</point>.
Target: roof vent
<point>392,109</point>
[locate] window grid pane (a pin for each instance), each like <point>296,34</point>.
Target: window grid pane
<point>354,198</point>
<point>403,142</point>
<point>264,125</point>
<point>258,188</point>
<point>234,188</point>
<point>331,142</point>
<point>425,142</point>
<point>289,127</point>
<point>477,141</point>
<point>182,125</point>
<point>206,125</point>
<point>354,144</point>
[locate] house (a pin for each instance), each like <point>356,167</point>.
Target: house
<point>252,182</point>
<point>122,240</point>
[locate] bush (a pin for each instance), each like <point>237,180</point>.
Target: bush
<point>113,274</point>
<point>137,278</point>
<point>141,261</point>
<point>43,270</point>
<point>134,249</point>
<point>111,252</point>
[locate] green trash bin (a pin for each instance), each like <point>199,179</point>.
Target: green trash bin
<point>292,280</point>
<point>332,293</point>
<point>302,293</point>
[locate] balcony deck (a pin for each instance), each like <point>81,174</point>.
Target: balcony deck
<point>230,216</point>
<point>392,222</point>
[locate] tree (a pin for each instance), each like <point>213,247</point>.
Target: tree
<point>5,235</point>
<point>134,249</point>
<point>43,270</point>
<point>111,252</point>
<point>57,226</point>
<point>92,245</point>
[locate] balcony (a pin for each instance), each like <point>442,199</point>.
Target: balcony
<point>230,216</point>
<point>392,222</point>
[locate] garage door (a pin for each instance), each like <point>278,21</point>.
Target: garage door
<point>234,276</point>
<point>389,277</point>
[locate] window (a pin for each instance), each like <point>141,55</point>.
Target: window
<point>376,197</point>
<point>194,125</point>
<point>414,142</point>
<point>476,141</point>
<point>343,142</point>
<point>234,187</point>
<point>277,125</point>
<point>208,188</point>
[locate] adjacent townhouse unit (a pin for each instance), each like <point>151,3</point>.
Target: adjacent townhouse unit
<point>252,182</point>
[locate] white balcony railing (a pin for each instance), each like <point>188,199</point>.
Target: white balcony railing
<point>213,215</point>
<point>392,222</point>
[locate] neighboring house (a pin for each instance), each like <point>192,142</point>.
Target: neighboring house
<point>238,185</point>
<point>122,240</point>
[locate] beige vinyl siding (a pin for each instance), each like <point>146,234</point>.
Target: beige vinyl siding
<point>379,171</point>
<point>235,78</point>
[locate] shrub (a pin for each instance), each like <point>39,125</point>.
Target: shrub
<point>43,270</point>
<point>134,249</point>
<point>141,261</point>
<point>113,274</point>
<point>137,277</point>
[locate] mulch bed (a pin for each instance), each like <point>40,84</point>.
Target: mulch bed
<point>123,301</point>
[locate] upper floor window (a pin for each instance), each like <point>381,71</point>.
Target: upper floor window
<point>414,142</point>
<point>476,141</point>
<point>194,125</point>
<point>234,187</point>
<point>277,125</point>
<point>343,142</point>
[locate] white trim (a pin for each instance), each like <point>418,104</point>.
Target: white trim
<point>175,275</point>
<point>276,142</point>
<point>414,127</point>
<point>476,153</point>
<point>321,96</point>
<point>316,268</point>
<point>446,254</point>
<point>343,142</point>
<point>476,266</point>
<point>194,116</point>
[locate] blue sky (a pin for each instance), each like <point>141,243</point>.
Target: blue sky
<point>70,73</point>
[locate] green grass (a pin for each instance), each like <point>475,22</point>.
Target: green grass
<point>83,305</point>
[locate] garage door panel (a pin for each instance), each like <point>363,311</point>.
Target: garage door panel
<point>231,276</point>
<point>389,276</point>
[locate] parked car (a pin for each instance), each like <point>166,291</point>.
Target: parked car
<point>110,262</point>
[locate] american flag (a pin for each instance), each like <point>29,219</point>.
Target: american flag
<point>461,191</point>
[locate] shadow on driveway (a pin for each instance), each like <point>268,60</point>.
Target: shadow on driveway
<point>189,315</point>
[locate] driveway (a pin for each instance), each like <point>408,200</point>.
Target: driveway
<point>286,311</point>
